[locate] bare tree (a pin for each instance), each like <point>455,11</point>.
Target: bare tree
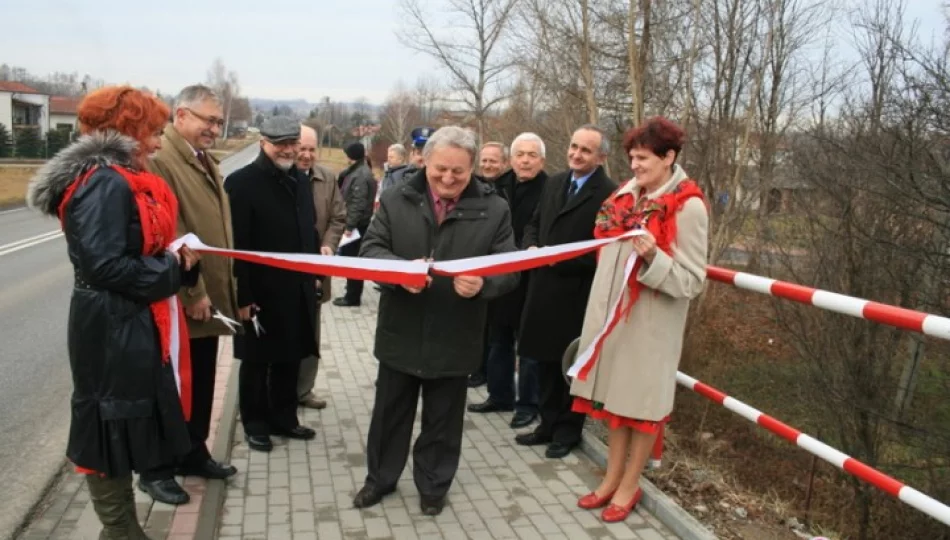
<point>226,84</point>
<point>399,115</point>
<point>468,49</point>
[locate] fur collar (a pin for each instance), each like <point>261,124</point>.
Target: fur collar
<point>98,149</point>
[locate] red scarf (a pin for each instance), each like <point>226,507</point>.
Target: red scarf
<point>158,216</point>
<point>624,212</point>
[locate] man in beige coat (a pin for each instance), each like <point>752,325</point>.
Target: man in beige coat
<point>331,220</point>
<point>204,210</point>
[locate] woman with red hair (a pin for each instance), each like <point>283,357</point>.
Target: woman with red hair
<point>125,334</point>
<point>636,314</point>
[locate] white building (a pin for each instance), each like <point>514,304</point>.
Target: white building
<point>22,106</point>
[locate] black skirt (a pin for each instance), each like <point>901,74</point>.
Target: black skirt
<point>115,447</point>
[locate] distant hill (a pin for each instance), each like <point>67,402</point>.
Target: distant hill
<point>299,106</point>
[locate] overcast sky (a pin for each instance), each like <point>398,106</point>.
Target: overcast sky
<point>307,49</point>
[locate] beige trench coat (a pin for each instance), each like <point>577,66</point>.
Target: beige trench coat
<point>205,210</point>
<point>635,376</point>
<point>331,213</point>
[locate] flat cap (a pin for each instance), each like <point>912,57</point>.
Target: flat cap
<point>280,128</point>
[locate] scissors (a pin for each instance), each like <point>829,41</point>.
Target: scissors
<point>229,322</point>
<point>258,329</point>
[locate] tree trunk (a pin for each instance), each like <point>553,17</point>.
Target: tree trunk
<point>587,70</point>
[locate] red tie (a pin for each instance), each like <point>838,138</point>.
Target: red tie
<point>204,161</point>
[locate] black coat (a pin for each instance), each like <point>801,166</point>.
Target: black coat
<point>436,333</point>
<point>557,295</point>
<point>126,414</point>
<point>358,187</point>
<point>523,199</point>
<point>272,210</point>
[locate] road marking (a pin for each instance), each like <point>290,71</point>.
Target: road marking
<point>13,247</point>
<point>12,211</point>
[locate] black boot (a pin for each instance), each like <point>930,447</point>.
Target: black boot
<point>114,503</point>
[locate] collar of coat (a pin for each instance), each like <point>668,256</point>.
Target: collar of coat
<point>183,147</point>
<point>319,173</point>
<point>417,186</point>
<point>97,149</point>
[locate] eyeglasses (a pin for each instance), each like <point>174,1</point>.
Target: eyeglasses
<point>210,120</point>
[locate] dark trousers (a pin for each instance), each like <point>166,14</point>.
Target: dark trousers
<point>501,372</point>
<point>204,361</point>
<point>557,420</point>
<point>354,287</point>
<point>268,396</point>
<point>435,455</point>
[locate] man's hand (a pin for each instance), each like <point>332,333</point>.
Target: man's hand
<point>201,310</point>
<point>326,250</point>
<point>244,313</point>
<point>347,234</point>
<point>417,290</point>
<point>468,286</point>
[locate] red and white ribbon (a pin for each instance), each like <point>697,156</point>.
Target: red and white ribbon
<point>587,356</point>
<point>402,272</point>
<point>889,485</point>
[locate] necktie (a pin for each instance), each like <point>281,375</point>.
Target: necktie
<point>571,191</point>
<point>204,161</point>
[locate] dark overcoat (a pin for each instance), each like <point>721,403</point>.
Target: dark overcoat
<point>557,295</point>
<point>272,210</point>
<point>436,333</point>
<point>523,198</point>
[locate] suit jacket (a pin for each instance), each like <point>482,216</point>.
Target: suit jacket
<point>203,209</point>
<point>557,295</point>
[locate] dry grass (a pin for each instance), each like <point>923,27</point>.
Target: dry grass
<point>13,181</point>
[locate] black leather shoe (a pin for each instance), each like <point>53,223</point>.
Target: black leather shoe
<point>557,450</point>
<point>211,469</point>
<point>488,406</point>
<point>300,432</point>
<point>476,379</point>
<point>532,439</point>
<point>261,443</point>
<point>431,507</point>
<point>369,496</point>
<point>166,490</point>
<point>522,419</point>
<point>343,302</point>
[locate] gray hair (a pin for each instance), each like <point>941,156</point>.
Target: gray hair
<point>529,137</point>
<point>399,149</point>
<point>194,95</point>
<point>604,141</point>
<point>498,145</point>
<point>453,136</point>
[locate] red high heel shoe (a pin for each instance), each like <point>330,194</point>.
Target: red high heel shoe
<point>591,501</point>
<point>615,512</point>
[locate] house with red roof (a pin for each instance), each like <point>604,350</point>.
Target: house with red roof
<point>62,112</point>
<point>23,106</point>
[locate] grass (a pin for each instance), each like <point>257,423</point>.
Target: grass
<point>13,181</point>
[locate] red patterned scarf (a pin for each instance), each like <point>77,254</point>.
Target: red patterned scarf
<point>158,215</point>
<point>623,212</point>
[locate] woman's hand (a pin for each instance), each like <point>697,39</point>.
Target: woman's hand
<point>190,257</point>
<point>645,246</point>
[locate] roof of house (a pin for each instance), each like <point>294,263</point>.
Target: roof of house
<point>14,86</point>
<point>64,104</point>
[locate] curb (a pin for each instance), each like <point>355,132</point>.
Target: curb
<point>658,503</point>
<point>216,490</point>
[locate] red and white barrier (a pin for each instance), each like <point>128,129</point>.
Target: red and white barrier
<point>889,485</point>
<point>908,319</point>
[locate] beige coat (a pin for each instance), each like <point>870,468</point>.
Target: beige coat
<point>331,212</point>
<point>204,210</point>
<point>635,376</point>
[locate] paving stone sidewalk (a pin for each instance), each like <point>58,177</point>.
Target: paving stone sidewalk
<point>303,490</point>
<point>67,514</point>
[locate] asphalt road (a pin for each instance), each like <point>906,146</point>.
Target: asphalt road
<point>35,385</point>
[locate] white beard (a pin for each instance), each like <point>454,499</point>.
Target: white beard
<point>284,164</point>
